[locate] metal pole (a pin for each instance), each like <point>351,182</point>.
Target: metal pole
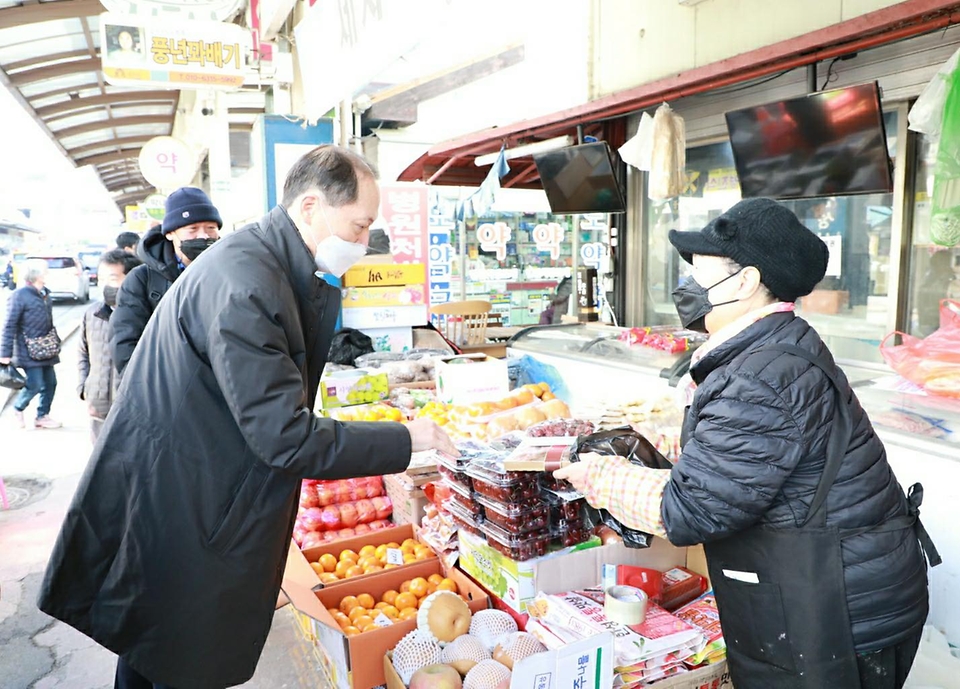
<point>812,78</point>
<point>345,123</point>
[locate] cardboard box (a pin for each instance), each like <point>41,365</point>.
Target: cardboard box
<point>517,583</point>
<point>384,317</point>
<point>385,275</point>
<point>409,501</point>
<point>299,571</point>
<point>397,534</point>
<point>587,664</point>
<point>483,380</point>
<point>397,295</point>
<point>391,339</point>
<point>350,388</point>
<point>356,662</point>
<point>824,301</point>
<point>709,677</point>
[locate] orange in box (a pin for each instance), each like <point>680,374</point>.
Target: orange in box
<point>356,661</point>
<point>395,535</point>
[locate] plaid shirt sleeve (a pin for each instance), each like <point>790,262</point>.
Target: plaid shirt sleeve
<point>631,493</point>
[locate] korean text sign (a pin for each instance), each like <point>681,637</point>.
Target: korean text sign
<point>403,209</point>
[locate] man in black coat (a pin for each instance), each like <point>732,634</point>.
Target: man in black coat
<point>190,225</point>
<point>172,552</point>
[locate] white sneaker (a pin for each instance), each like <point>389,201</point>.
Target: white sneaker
<point>18,416</point>
<point>47,422</point>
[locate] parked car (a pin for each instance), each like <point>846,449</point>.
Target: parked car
<point>66,277</point>
<point>91,261</point>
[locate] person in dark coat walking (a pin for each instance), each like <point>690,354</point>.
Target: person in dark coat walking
<point>190,226</point>
<point>815,553</point>
<point>98,377</point>
<point>172,551</point>
<point>30,315</point>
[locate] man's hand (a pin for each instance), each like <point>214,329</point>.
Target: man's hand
<point>427,435</point>
<point>5,360</point>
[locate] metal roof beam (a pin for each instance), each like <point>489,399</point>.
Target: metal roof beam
<point>60,111</point>
<point>110,124</point>
<point>91,64</point>
<point>65,91</point>
<point>125,154</point>
<point>11,17</point>
<point>111,144</point>
<point>25,104</point>
<point>44,59</point>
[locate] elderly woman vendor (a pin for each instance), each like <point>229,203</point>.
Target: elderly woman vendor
<point>815,553</point>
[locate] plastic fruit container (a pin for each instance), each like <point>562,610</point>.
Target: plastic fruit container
<point>519,548</point>
<point>466,502</point>
<point>512,518</point>
<point>568,532</point>
<point>491,480</point>
<point>549,482</point>
<point>463,519</point>
<point>455,476</point>
<point>565,511</point>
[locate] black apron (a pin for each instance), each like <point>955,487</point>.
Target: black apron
<point>780,591</point>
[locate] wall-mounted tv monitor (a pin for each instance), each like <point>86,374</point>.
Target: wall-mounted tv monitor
<point>825,144</point>
<point>580,179</point>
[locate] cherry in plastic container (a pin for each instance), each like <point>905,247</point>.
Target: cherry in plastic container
<point>550,482</point>
<point>456,476</point>
<point>504,486</point>
<point>565,511</point>
<point>570,532</point>
<point>515,519</point>
<point>519,548</point>
<point>471,507</point>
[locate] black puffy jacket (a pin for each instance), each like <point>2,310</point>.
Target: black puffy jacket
<point>140,293</point>
<point>756,437</point>
<point>29,314</point>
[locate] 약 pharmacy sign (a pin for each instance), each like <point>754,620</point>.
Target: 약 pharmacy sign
<point>135,51</point>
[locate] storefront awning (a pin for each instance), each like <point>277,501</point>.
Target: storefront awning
<point>452,162</point>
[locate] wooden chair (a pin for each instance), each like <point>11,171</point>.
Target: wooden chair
<point>463,322</point>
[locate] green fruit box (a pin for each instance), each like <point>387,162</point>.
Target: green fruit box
<point>349,388</point>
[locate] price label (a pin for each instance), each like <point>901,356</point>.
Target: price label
<point>382,620</point>
<point>394,556</point>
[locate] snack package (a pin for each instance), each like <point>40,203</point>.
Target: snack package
<point>704,615</point>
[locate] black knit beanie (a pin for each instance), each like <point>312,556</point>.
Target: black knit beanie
<point>762,233</point>
<point>186,206</point>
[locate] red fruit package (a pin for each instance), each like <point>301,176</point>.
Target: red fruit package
<point>366,512</point>
<point>330,518</point>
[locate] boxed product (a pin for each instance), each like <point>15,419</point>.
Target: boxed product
<point>355,662</point>
<point>351,387</point>
<point>408,499</point>
<point>397,535</point>
<point>518,582</point>
<point>391,339</point>
<point>367,317</point>
<point>471,378</point>
<point>396,295</point>
<point>385,275</point>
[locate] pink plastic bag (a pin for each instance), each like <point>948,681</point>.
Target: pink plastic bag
<point>932,362</point>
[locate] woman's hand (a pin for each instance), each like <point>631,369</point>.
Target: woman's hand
<point>578,472</point>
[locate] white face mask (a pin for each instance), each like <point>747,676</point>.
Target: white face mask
<point>335,255</point>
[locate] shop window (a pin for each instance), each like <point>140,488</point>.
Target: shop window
<point>849,308</point>
<point>934,271</point>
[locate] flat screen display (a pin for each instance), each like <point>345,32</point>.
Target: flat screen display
<point>579,179</point>
<point>825,144</point>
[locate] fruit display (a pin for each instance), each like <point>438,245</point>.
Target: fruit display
<point>569,532</point>
<point>662,341</point>
<point>435,595</point>
<point>515,518</point>
<point>517,547</point>
<point>482,652</point>
<point>369,559</point>
<point>556,428</point>
<point>455,475</point>
<point>491,480</point>
<point>333,510</point>
<point>348,388</point>
<point>369,412</point>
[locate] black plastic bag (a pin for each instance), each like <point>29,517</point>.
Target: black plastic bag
<point>623,442</point>
<point>347,345</point>
<point>11,378</point>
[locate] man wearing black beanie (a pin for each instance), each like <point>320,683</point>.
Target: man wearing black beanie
<point>191,224</point>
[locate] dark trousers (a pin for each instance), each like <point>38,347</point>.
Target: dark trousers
<point>41,380</point>
<point>889,667</point>
<point>128,678</point>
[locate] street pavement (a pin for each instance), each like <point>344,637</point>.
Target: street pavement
<point>41,469</point>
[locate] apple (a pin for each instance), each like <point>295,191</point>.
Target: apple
<point>349,516</point>
<point>328,536</point>
<point>436,677</point>
<point>359,488</point>
<point>383,506</point>
<point>374,486</point>
<point>311,539</point>
<point>326,495</point>
<point>299,531</point>
<point>330,518</point>
<point>361,529</point>
<point>344,492</point>
<point>366,512</point>
<point>313,519</point>
<point>346,533</point>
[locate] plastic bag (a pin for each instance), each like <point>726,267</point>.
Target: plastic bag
<point>668,159</point>
<point>945,203</point>
<point>347,345</point>
<point>623,442</point>
<point>926,115</point>
<point>11,378</point>
<point>530,370</point>
<point>932,362</point>
<point>638,150</point>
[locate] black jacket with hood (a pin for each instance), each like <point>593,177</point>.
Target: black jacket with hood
<point>141,292</point>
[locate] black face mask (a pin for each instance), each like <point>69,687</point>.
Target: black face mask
<point>191,248</point>
<point>110,295</point>
<point>693,303</point>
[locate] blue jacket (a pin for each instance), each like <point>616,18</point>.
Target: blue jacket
<point>756,438</point>
<point>29,314</point>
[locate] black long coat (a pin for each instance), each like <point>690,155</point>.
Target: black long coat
<point>172,551</point>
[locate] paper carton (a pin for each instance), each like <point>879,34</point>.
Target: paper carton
<point>517,583</point>
<point>366,317</point>
<point>356,662</point>
<point>409,501</point>
<point>299,571</point>
<point>352,387</point>
<point>397,295</point>
<point>395,535</point>
<point>484,379</point>
<point>385,275</point>
<point>391,339</point>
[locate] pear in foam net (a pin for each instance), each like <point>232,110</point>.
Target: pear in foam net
<point>516,646</point>
<point>486,675</point>
<point>489,625</point>
<point>443,617</point>
<point>414,651</point>
<point>465,652</point>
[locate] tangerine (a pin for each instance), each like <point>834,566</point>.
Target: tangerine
<point>343,623</point>
<point>349,555</point>
<point>448,585</point>
<point>368,551</point>
<point>317,568</point>
<point>369,569</point>
<point>431,588</point>
<point>351,631</point>
<point>393,544</point>
<point>435,579</point>
<point>329,578</point>
<point>342,567</point>
<point>418,587</point>
<point>390,611</point>
<point>404,588</point>
<point>409,542</point>
<point>406,601</point>
<point>357,612</point>
<point>409,558</point>
<point>381,553</point>
<point>328,561</point>
<point>348,603</point>
<point>363,622</point>
<point>389,596</point>
<point>366,600</point>
<point>407,614</point>
<point>353,571</point>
